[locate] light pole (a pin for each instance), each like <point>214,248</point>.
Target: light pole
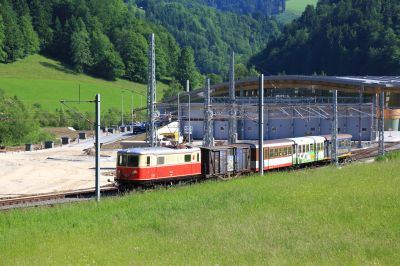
<point>179,116</point>
<point>122,108</point>
<point>190,129</point>
<point>132,111</point>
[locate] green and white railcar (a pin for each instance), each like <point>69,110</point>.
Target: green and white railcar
<point>308,149</point>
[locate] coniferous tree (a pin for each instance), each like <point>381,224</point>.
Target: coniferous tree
<point>80,50</point>
<point>133,50</point>
<point>31,39</point>
<point>107,63</point>
<point>13,40</point>
<point>2,52</point>
<point>187,68</point>
<point>41,21</point>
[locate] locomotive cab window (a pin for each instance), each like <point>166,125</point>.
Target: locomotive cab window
<point>122,160</point>
<point>148,161</point>
<point>187,158</point>
<point>133,161</point>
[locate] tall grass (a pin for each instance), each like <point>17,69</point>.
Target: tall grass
<point>321,216</point>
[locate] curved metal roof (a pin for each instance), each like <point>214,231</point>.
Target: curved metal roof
<point>369,84</point>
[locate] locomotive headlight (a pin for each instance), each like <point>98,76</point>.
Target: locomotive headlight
<point>134,172</point>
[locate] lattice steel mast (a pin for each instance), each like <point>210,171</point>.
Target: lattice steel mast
<point>151,95</point>
<point>232,131</point>
<point>208,140</point>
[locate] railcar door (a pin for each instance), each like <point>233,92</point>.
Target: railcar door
<point>149,170</point>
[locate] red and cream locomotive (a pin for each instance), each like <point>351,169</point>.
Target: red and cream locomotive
<point>142,165</point>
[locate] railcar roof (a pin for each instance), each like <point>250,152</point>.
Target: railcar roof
<point>268,143</point>
<point>303,140</point>
<point>317,138</point>
<point>157,151</point>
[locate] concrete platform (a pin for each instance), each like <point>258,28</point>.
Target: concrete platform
<point>48,171</point>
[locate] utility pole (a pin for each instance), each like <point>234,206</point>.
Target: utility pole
<point>97,147</point>
<point>132,111</point>
<point>261,126</point>
<point>122,108</point>
<point>97,140</point>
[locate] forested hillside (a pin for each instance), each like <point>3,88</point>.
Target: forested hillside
<point>343,37</point>
<point>212,34</point>
<point>251,7</point>
<point>104,38</point>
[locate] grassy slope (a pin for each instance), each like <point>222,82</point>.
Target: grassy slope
<point>298,6</point>
<point>37,79</point>
<point>294,8</point>
<point>319,216</point>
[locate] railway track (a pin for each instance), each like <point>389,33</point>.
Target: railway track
<point>372,152</point>
<point>50,199</point>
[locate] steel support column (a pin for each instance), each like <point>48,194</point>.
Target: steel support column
<point>97,181</point>
<point>334,156</point>
<point>261,126</point>
<point>360,96</point>
<point>381,124</point>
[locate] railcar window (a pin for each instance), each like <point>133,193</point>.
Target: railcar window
<point>148,161</point>
<point>276,152</point>
<point>133,161</point>
<point>307,148</point>
<point>187,158</point>
<point>160,160</point>
<point>311,147</point>
<point>285,151</point>
<point>198,157</point>
<point>121,160</point>
<point>271,153</point>
<point>290,151</point>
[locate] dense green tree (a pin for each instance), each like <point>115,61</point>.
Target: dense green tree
<point>187,68</point>
<point>211,34</point>
<point>107,63</point>
<point>174,88</point>
<point>338,38</point>
<point>31,39</point>
<point>19,126</point>
<point>2,36</point>
<point>42,20</point>
<point>133,50</point>
<point>13,40</point>
<point>80,50</point>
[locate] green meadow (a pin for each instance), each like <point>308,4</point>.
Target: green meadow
<point>294,8</point>
<point>298,6</point>
<point>324,216</point>
<point>38,79</point>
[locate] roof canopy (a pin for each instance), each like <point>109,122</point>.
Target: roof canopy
<point>368,84</point>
